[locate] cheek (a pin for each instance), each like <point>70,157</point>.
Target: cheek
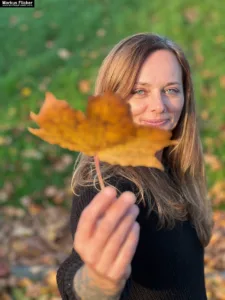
<point>177,108</point>
<point>137,108</point>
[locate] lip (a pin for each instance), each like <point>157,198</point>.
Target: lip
<point>154,123</point>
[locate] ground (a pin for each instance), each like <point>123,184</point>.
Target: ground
<point>58,48</point>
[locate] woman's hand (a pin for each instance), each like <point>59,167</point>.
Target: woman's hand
<point>106,239</point>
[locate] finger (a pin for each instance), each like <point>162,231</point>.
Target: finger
<point>92,212</point>
<point>116,241</point>
<point>127,272</point>
<point>126,254</point>
<point>108,224</point>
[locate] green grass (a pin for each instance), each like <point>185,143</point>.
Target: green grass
<point>26,62</point>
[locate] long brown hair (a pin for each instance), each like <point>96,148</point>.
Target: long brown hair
<point>184,193</point>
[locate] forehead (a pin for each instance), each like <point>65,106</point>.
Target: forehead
<point>160,67</point>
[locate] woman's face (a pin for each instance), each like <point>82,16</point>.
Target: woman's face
<point>157,98</point>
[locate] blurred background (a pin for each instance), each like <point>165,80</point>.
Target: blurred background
<point>58,46</point>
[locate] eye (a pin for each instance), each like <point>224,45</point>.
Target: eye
<point>138,92</point>
<point>171,91</point>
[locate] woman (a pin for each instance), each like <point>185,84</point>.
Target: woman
<point>148,243</point>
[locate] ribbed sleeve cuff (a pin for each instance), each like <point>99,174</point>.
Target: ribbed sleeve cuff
<point>68,281</point>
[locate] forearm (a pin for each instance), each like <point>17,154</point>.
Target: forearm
<point>86,289</point>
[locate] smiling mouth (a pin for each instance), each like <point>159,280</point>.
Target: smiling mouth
<point>154,123</point>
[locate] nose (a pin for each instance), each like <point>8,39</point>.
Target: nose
<point>156,102</point>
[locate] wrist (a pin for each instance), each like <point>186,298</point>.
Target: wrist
<point>87,286</point>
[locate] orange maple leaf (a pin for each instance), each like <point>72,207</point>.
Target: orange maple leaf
<point>107,131</point>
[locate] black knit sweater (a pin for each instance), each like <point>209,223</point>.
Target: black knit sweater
<point>167,265</point>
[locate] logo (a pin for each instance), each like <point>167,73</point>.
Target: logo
<point>16,3</point>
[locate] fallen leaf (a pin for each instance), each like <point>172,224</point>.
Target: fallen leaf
<point>101,32</point>
<point>25,200</point>
<point>32,153</point>
<point>25,91</point>
<point>34,209</point>
<point>5,140</point>
<point>23,27</point>
<point>12,111</point>
<point>106,21</point>
<point>5,296</point>
<point>3,196</point>
<point>34,290</point>
<point>64,53</point>
<point>63,162</point>
<point>24,282</point>
<point>213,161</point>
<point>50,279</point>
<point>215,287</point>
<point>217,193</point>
<point>21,52</point>
<point>53,25</point>
<point>215,251</point>
<point>38,14</point>
<point>43,86</point>
<point>49,44</point>
<point>21,231</point>
<point>4,268</point>
<point>209,141</point>
<point>222,81</point>
<point>191,14</point>
<point>219,39</point>
<point>13,211</point>
<point>51,191</point>
<point>205,115</point>
<point>114,137</point>
<point>93,54</point>
<point>208,91</point>
<point>80,38</point>
<point>59,198</point>
<point>13,20</point>
<point>199,58</point>
<point>206,74</point>
<point>84,86</point>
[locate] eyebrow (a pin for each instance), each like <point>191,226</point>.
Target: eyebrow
<point>167,84</point>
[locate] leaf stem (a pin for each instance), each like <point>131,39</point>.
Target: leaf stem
<point>97,166</point>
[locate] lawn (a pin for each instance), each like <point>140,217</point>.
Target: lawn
<point>58,46</point>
